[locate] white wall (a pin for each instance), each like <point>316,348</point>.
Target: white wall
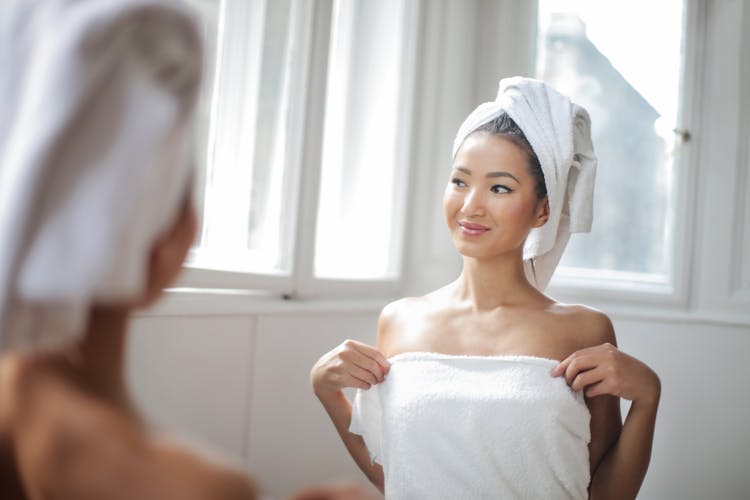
<point>240,384</point>
<point>235,374</point>
<point>702,443</point>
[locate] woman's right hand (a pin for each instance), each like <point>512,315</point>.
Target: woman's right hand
<point>351,364</point>
<point>336,491</point>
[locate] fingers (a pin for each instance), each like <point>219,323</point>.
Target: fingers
<point>604,369</point>
<point>587,378</point>
<point>588,353</point>
<point>576,365</point>
<point>351,364</point>
<point>364,375</point>
<point>593,381</point>
<point>352,381</point>
<point>370,352</point>
<point>333,491</point>
<point>313,493</point>
<point>563,365</point>
<point>596,370</point>
<point>355,359</point>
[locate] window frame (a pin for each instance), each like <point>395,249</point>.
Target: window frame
<point>239,39</point>
<point>711,167</point>
<point>603,287</point>
<point>304,148</point>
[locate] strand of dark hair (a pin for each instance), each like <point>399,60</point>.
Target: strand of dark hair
<point>504,126</point>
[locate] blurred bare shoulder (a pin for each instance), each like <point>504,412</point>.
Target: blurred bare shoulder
<point>71,445</point>
<point>198,475</point>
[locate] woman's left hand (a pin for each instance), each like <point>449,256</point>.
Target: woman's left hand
<point>604,369</point>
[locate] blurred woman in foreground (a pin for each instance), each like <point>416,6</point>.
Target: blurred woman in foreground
<point>96,218</point>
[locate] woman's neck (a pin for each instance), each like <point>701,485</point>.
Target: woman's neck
<point>99,358</point>
<point>488,284</point>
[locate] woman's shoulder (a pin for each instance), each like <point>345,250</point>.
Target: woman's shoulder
<point>197,473</point>
<point>409,314</point>
<point>410,308</point>
<point>589,325</point>
<point>88,438</point>
<point>397,312</point>
<point>399,307</point>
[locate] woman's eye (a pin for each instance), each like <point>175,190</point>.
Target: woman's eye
<point>499,188</point>
<point>458,182</point>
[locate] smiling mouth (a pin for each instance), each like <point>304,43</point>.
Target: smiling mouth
<point>471,229</point>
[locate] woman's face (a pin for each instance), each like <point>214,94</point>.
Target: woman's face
<point>169,252</point>
<point>490,202</point>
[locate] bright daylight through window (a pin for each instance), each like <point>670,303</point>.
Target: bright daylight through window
<point>360,211</point>
<point>249,185</point>
<point>256,178</point>
<point>594,52</point>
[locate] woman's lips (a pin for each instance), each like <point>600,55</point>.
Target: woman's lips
<point>472,229</point>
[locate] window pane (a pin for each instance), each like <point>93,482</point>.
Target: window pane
<point>268,187</point>
<point>208,15</point>
<point>624,67</point>
<point>361,193</point>
<point>247,227</point>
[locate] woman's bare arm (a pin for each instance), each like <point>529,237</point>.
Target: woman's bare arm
<point>352,364</point>
<point>620,454</point>
<point>340,412</point>
<point>623,468</point>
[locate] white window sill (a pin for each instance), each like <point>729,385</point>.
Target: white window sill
<point>194,302</point>
<point>217,302</point>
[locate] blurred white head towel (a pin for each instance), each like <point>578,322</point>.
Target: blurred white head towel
<point>559,131</point>
<point>96,99</point>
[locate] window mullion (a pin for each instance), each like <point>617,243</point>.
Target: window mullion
<point>315,81</point>
<point>683,241</point>
<point>405,139</point>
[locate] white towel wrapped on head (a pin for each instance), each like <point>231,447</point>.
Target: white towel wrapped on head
<point>96,99</point>
<point>559,132</point>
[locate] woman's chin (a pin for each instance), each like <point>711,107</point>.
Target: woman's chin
<point>478,251</point>
<point>472,250</point>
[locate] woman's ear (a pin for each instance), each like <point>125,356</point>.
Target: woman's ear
<point>542,212</point>
<point>169,252</point>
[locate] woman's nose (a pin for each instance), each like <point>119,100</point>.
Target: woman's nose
<point>473,204</point>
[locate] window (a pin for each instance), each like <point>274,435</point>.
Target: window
<point>625,68</point>
<point>208,13</point>
<point>362,185</point>
<point>293,198</point>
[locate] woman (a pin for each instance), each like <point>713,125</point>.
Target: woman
<point>487,387</point>
<point>96,219</point>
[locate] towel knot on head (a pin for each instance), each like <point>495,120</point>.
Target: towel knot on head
<point>559,132</point>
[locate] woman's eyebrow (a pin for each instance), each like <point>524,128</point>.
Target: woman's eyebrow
<point>491,174</point>
<point>503,174</point>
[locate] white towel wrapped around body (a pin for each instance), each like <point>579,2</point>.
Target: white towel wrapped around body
<point>479,427</point>
<point>559,132</point>
<point>96,100</point>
